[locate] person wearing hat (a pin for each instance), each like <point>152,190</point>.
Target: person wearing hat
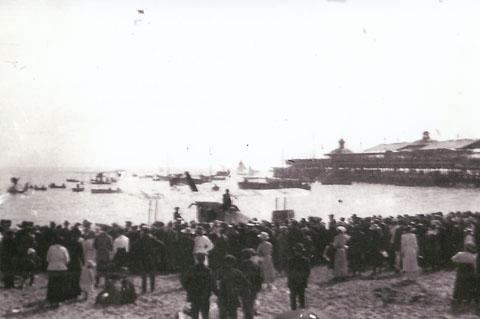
<point>89,251</point>
<point>121,248</point>
<point>75,249</point>
<point>232,285</point>
<point>199,284</point>
<point>24,238</point>
<point>432,251</point>
<point>298,272</point>
<point>201,243</point>
<point>226,200</point>
<point>31,264</point>
<point>254,275</point>
<point>103,245</point>
<point>465,282</point>
<point>146,252</point>
<point>409,254</point>
<point>8,252</point>
<point>6,224</point>
<point>176,214</point>
<point>221,246</point>
<point>58,259</point>
<point>375,250</point>
<point>340,263</point>
<point>264,252</point>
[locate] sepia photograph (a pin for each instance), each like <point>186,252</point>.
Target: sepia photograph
<point>279,159</point>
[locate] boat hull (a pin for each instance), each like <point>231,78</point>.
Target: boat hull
<point>105,191</point>
<point>273,184</point>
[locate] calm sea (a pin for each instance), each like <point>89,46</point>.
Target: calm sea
<point>133,204</point>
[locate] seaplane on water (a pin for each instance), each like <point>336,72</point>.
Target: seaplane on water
<point>14,188</point>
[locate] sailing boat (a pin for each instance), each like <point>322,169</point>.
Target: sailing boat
<point>241,169</point>
<point>13,189</point>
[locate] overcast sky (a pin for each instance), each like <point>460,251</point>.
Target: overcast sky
<point>203,83</point>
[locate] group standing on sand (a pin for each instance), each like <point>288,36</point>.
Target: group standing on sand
<point>76,257</point>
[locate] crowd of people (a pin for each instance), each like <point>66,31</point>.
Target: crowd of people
<point>234,261</point>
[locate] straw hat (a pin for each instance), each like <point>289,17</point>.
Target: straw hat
<point>342,229</point>
<point>187,230</point>
<point>263,236</point>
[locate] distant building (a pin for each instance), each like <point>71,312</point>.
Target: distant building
<point>421,162</point>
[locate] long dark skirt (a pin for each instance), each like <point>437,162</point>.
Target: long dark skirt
<point>58,285</point>
<point>73,290</point>
<point>465,284</point>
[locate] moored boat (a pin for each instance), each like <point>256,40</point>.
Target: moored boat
<point>78,188</point>
<point>72,180</point>
<point>218,178</point>
<point>14,190</point>
<point>272,183</point>
<point>105,191</point>
<point>53,185</point>
<point>102,179</point>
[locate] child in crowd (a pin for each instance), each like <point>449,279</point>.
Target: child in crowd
<point>31,264</point>
<point>119,290</point>
<point>87,278</point>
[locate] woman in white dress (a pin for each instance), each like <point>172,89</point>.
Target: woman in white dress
<point>409,253</point>
<point>89,252</point>
<point>264,251</point>
<point>340,264</point>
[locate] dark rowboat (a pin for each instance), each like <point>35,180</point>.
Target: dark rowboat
<point>53,185</point>
<point>106,191</point>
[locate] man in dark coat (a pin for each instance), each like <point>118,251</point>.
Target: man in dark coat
<point>103,245</point>
<point>75,251</point>
<point>297,276</point>
<point>8,259</point>
<point>232,286</point>
<point>220,248</point>
<point>199,283</point>
<point>226,200</point>
<point>147,251</point>
<point>254,275</point>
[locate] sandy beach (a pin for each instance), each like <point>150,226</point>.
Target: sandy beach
<point>363,297</point>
